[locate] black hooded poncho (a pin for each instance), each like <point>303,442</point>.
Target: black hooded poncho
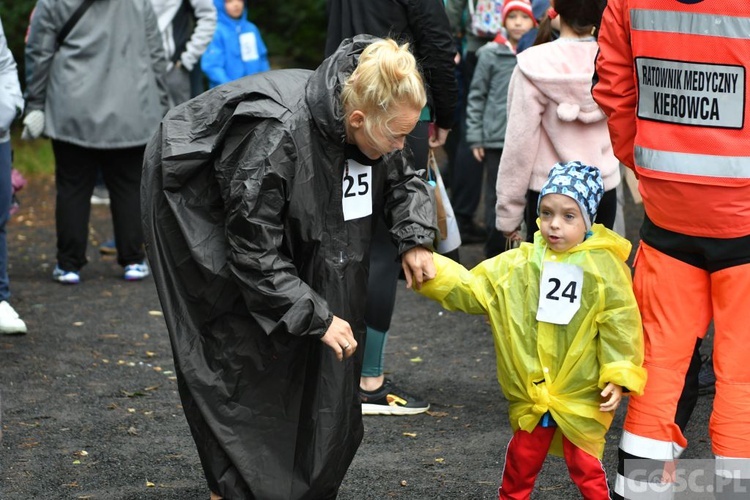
<point>242,210</point>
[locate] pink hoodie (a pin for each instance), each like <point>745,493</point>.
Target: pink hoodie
<point>551,118</point>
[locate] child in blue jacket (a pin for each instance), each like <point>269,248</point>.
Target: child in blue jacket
<point>237,48</point>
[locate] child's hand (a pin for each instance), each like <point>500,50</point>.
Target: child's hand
<point>613,395</point>
<point>514,235</point>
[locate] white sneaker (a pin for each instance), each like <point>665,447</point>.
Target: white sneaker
<point>10,323</point>
<point>100,196</point>
<point>136,272</point>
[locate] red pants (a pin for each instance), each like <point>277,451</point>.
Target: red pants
<point>524,459</point>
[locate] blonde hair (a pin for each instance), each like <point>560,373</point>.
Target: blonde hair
<point>385,79</point>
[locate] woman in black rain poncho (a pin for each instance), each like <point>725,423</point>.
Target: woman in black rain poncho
<point>258,199</point>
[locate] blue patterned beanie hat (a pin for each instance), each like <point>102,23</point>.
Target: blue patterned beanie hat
<point>581,182</point>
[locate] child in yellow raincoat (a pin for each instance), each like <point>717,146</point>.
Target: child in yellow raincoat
<point>567,331</point>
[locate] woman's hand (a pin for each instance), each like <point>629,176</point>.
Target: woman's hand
<point>438,136</point>
<point>340,339</point>
<point>613,395</point>
<point>478,153</point>
<point>418,266</point>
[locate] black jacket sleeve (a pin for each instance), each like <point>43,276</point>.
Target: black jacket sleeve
<point>435,53</point>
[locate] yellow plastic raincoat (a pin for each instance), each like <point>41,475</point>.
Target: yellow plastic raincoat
<point>557,368</point>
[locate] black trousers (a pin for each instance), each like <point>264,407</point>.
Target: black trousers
<point>466,171</point>
<point>495,244</point>
<point>385,264</point>
<point>75,175</point>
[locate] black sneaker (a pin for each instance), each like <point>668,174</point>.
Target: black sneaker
<point>390,400</point>
<point>706,376</point>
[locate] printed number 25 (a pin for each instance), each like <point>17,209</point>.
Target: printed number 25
<point>362,186</point>
<point>569,292</point>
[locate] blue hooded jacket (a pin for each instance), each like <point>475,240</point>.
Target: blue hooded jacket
<point>236,50</point>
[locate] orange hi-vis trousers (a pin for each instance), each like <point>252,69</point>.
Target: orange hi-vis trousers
<point>677,302</point>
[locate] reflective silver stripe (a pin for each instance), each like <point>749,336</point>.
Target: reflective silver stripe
<point>644,447</point>
<point>735,468</point>
<point>689,23</point>
<point>643,490</point>
<point>733,167</point>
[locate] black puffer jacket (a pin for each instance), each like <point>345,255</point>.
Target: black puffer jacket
<point>422,23</point>
<point>242,208</point>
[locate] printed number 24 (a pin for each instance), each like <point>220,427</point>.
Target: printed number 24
<point>361,184</point>
<point>569,292</point>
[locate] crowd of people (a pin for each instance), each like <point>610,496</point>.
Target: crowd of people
<point>278,210</point>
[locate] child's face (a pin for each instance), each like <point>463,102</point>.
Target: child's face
<point>562,224</point>
<point>517,24</point>
<point>234,8</point>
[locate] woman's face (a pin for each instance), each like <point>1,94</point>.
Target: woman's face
<point>390,137</point>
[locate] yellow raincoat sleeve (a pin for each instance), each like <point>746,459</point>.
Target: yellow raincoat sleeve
<point>620,350</point>
<point>456,288</point>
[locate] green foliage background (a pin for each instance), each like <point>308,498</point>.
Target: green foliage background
<point>294,32</point>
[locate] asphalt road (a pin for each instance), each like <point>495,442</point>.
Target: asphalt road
<point>90,408</point>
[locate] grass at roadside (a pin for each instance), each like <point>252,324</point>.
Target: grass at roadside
<point>32,157</point>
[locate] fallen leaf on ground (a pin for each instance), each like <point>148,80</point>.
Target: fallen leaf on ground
<point>552,488</point>
<point>437,414</point>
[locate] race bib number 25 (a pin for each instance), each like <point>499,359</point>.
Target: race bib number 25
<point>357,190</point>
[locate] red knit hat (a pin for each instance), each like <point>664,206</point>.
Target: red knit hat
<point>522,5</point>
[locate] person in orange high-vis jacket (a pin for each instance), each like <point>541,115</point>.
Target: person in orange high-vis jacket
<point>672,76</point>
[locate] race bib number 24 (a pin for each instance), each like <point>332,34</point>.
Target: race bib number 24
<point>559,293</point>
